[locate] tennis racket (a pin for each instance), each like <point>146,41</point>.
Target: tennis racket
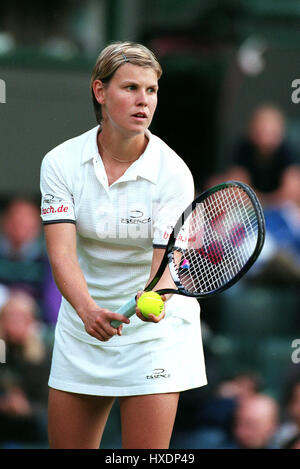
<point>213,244</point>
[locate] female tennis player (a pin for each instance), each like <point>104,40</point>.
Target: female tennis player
<point>109,200</point>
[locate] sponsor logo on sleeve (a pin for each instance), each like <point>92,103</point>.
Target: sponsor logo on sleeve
<point>52,204</point>
<point>55,209</point>
<point>51,199</point>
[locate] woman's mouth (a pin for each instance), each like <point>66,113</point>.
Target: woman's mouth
<point>139,115</point>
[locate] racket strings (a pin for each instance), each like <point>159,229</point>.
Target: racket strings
<point>229,265</point>
<point>233,260</point>
<point>226,266</point>
<point>220,237</point>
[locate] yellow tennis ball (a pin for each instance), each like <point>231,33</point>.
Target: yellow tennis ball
<point>150,303</point>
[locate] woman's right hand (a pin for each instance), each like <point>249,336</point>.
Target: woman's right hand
<point>97,322</point>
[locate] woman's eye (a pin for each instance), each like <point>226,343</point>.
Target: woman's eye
<point>153,90</point>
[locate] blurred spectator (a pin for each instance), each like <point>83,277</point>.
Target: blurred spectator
<point>240,386</point>
<point>263,158</point>
<point>23,259</point>
<point>279,262</point>
<point>267,162</point>
<point>290,427</point>
<point>215,416</point>
<point>255,423</point>
<point>218,411</point>
<point>24,375</point>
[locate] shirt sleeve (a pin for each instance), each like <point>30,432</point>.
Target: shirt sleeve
<point>175,197</point>
<point>57,205</point>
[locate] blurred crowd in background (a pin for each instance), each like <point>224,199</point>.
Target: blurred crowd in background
<point>252,399</point>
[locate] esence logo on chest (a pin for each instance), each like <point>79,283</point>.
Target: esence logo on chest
<point>136,217</point>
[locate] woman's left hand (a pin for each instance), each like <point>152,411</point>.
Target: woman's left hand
<point>151,317</point>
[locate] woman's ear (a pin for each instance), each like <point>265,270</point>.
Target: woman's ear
<point>99,91</point>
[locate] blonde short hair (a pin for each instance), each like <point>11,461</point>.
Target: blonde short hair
<point>115,55</point>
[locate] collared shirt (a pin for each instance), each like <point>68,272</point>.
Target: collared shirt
<point>117,225</point>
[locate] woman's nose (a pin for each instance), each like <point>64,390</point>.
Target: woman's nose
<point>141,97</point>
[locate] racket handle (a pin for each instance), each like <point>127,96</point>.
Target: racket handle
<point>127,310</point>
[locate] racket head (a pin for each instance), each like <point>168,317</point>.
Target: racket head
<point>216,240</point>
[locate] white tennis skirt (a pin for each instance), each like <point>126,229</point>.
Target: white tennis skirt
<point>162,365</point>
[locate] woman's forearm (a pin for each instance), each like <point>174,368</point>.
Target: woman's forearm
<point>67,273</point>
<point>71,283</point>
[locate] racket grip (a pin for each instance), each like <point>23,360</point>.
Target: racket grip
<point>127,310</point>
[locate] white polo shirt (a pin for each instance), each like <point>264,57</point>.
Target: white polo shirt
<point>117,225</point>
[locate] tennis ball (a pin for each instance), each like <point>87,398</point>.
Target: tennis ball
<point>150,303</point>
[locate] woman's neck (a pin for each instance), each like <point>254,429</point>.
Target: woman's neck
<point>121,150</point>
